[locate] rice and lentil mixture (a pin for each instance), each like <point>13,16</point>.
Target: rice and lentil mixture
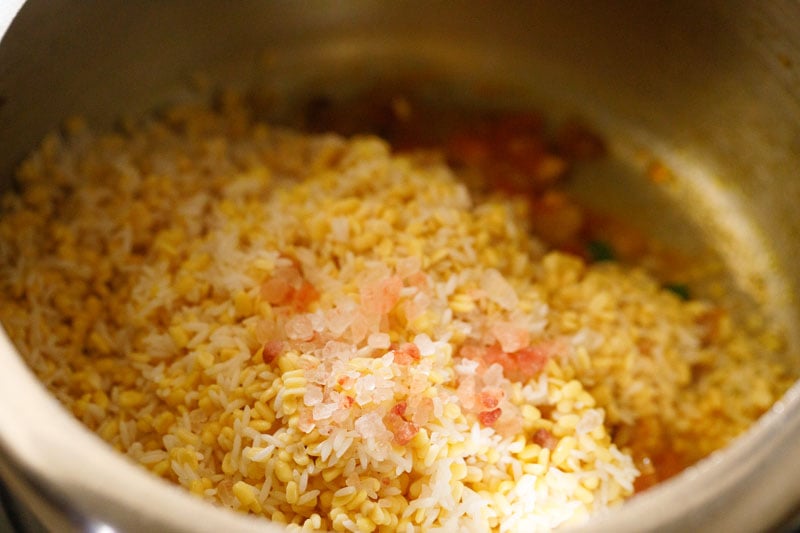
<point>315,330</point>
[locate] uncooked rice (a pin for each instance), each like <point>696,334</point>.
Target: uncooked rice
<point>315,330</point>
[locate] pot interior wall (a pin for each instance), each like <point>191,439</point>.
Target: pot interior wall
<point>705,89</point>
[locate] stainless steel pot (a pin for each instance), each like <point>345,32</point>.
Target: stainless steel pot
<point>712,89</point>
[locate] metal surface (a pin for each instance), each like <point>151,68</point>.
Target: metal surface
<point>711,90</point>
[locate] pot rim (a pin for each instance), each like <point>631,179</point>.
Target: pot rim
<point>54,455</point>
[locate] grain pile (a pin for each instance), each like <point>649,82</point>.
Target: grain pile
<point>317,331</point>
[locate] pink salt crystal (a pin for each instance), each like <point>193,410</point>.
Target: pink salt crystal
<point>306,421</point>
<point>388,358</point>
<point>488,418</point>
<point>364,388</point>
<point>466,392</point>
<point>402,429</point>
<point>472,351</point>
<point>299,327</point>
<point>318,375</point>
<point>313,395</point>
<point>520,365</point>
<point>408,266</point>
<point>509,423</point>
<point>276,291</point>
<point>344,381</point>
<point>406,354</point>
<point>337,350</point>
<point>341,414</point>
<point>359,328</point>
<point>510,336</point>
<point>370,426</point>
<point>416,306</point>
<point>418,384</point>
<point>338,319</point>
<point>425,344</point>
<point>494,375</point>
<point>381,296</point>
<point>379,341</point>
<point>317,321</point>
<point>302,298</point>
<point>466,367</point>
<point>323,411</point>
<point>489,398</point>
<point>404,432</point>
<point>291,274</point>
<point>384,390</point>
<point>381,447</point>
<point>498,289</point>
<point>306,347</point>
<point>422,410</point>
<point>532,360</point>
<point>399,408</point>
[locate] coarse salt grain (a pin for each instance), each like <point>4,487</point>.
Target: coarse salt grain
<point>338,319</point>
<point>370,425</point>
<point>337,350</point>
<point>379,341</point>
<point>299,328</point>
<point>510,336</point>
<point>466,367</point>
<point>323,411</point>
<point>498,289</point>
<point>312,396</point>
<point>426,346</point>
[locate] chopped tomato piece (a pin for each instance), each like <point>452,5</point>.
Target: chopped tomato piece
<point>663,465</point>
<point>575,140</point>
<point>511,151</point>
<point>555,218</point>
